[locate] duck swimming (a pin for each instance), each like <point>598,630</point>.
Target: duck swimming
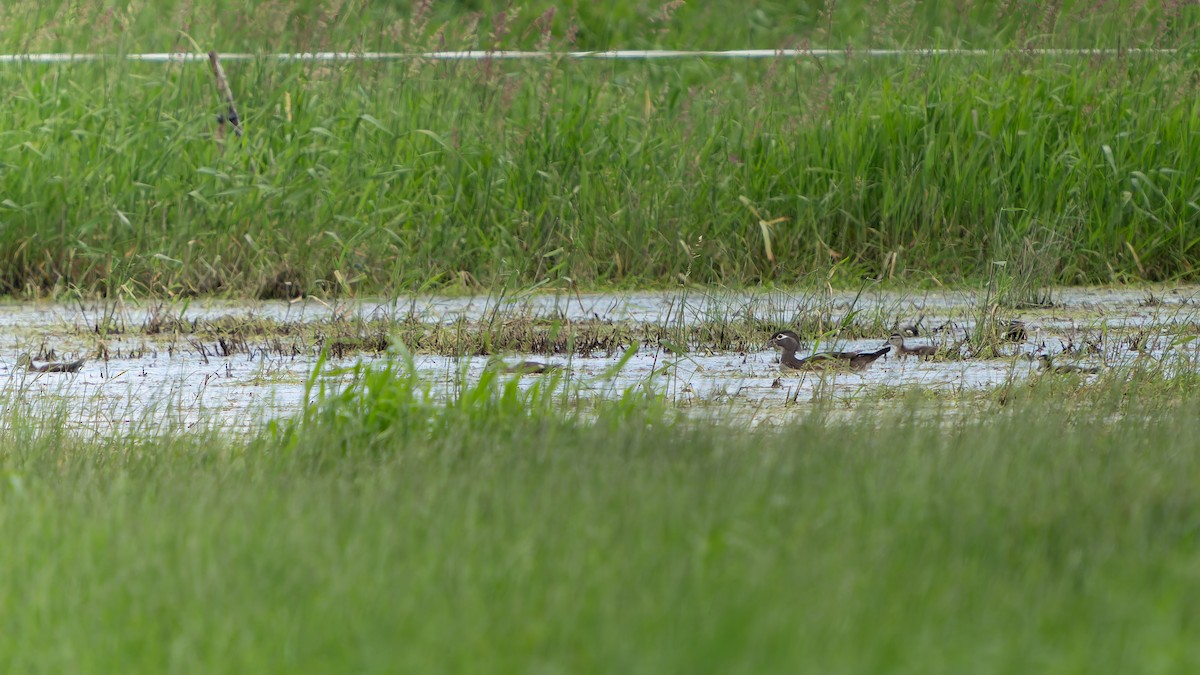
<point>531,368</point>
<point>903,351</point>
<point>26,361</point>
<point>1047,363</point>
<point>788,342</point>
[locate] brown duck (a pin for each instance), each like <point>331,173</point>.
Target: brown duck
<point>1047,363</point>
<point>788,342</point>
<point>532,368</point>
<point>25,361</point>
<point>904,351</point>
<point>1015,331</point>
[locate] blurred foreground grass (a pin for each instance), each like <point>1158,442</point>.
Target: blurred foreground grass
<point>509,530</point>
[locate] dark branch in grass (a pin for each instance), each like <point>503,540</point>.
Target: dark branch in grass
<point>230,115</point>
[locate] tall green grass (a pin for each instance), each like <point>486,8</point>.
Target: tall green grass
<point>375,178</point>
<point>500,532</point>
<point>265,25</point>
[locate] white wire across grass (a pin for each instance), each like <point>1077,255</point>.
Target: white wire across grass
<point>623,54</point>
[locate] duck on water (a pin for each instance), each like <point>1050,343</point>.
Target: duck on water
<point>1046,363</point>
<point>789,342</point>
<point>26,361</point>
<point>903,351</point>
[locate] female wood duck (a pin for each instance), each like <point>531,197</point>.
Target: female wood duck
<point>788,342</point>
<point>903,351</point>
<point>25,361</point>
<point>1015,331</point>
<point>1047,363</point>
<point>532,368</point>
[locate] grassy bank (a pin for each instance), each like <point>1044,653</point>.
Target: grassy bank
<point>508,531</point>
<point>368,179</point>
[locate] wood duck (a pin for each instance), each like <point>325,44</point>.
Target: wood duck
<point>1015,331</point>
<point>25,361</point>
<point>532,368</point>
<point>923,351</point>
<point>788,342</point>
<point>1047,363</point>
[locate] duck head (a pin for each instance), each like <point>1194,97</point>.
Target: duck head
<point>785,340</point>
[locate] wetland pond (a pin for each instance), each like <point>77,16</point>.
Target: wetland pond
<point>238,364</point>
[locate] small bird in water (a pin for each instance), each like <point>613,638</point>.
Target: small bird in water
<point>788,342</point>
<point>903,351</point>
<point>1015,331</point>
<point>1047,363</point>
<point>532,368</point>
<point>26,361</point>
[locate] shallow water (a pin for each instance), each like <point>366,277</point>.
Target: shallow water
<point>642,306</point>
<point>145,383</point>
<point>177,392</point>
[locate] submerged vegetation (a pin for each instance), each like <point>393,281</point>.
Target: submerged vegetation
<point>365,178</point>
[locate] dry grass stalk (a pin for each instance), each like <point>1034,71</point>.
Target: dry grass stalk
<point>230,115</point>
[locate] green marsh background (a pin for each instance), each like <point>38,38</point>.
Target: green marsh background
<point>383,177</point>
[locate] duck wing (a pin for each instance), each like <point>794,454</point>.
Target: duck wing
<point>864,359</point>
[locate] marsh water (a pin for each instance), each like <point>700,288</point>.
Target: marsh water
<point>154,379</point>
